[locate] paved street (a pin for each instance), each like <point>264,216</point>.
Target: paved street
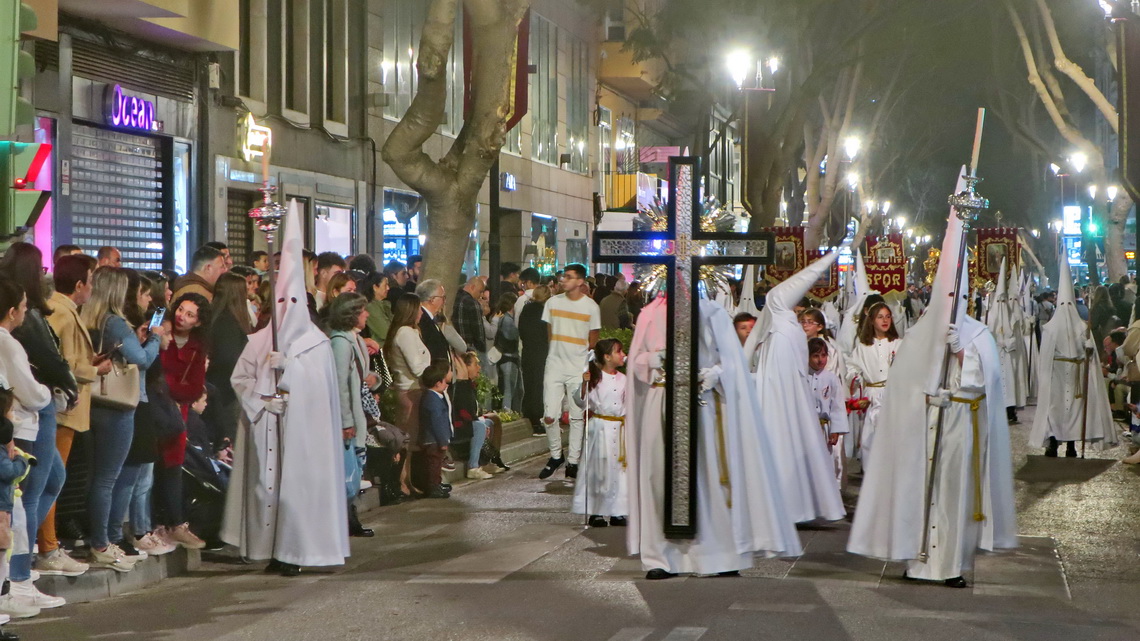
<point>503,560</point>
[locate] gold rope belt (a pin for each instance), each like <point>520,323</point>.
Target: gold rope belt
<point>1076,375</point>
<point>621,433</point>
<point>721,449</point>
<point>975,404</point>
<point>879,384</point>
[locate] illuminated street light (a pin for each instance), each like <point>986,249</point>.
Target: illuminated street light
<point>1111,192</point>
<point>870,206</point>
<point>852,179</point>
<point>887,207</point>
<point>1055,168</point>
<point>1079,161</point>
<point>851,145</point>
<point>774,64</point>
<point>1092,191</point>
<point>739,62</point>
<point>900,221</point>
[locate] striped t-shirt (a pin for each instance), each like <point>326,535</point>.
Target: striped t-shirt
<point>570,324</point>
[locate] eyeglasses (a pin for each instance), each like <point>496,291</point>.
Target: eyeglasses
<point>808,321</point>
<point>435,297</point>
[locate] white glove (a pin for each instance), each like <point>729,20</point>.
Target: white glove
<point>657,360</point>
<point>708,378</point>
<point>953,339</point>
<point>277,360</point>
<point>941,400</point>
<point>275,405</point>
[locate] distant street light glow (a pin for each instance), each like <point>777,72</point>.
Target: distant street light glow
<point>1112,190</point>
<point>739,62</point>
<point>851,145</point>
<point>1079,161</point>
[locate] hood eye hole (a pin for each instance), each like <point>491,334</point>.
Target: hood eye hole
<point>293,299</point>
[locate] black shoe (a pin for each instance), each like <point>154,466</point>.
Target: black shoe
<point>1071,449</point>
<point>618,521</point>
<point>498,460</point>
<point>274,566</point>
<point>128,549</point>
<point>907,577</point>
<point>355,527</point>
<point>288,569</point>
<point>656,574</point>
<point>538,429</point>
<point>214,545</point>
<point>438,493</point>
<point>571,470</point>
<point>1051,448</point>
<point>597,520</point>
<point>956,582</point>
<point>551,465</point>
<point>9,636</point>
<point>729,573</point>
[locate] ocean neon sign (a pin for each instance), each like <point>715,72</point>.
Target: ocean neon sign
<point>126,111</point>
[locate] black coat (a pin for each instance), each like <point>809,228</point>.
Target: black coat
<point>535,346</point>
<point>227,340</point>
<point>42,346</point>
<point>434,339</point>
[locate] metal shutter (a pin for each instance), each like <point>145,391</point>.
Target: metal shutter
<point>117,194</point>
<point>239,227</point>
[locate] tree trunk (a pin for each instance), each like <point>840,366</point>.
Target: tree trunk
<point>1114,260</point>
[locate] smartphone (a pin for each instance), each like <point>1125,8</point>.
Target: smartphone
<point>156,320</point>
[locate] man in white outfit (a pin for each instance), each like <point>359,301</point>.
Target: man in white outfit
<point>573,323</point>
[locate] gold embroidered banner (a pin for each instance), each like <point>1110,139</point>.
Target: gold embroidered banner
<point>789,257</point>
<point>886,265</point>
<point>827,287</point>
<point>994,245</point>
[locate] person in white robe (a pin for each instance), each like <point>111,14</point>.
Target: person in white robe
<point>972,504</point>
<point>869,367</point>
<point>853,314</point>
<point>285,500</point>
<point>1002,320</point>
<point>601,488</point>
<point>830,403</point>
<point>739,508</point>
<point>804,468</point>
<point>1068,367</point>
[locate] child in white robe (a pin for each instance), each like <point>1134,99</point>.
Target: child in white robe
<point>601,489</point>
<point>869,362</point>
<point>830,402</point>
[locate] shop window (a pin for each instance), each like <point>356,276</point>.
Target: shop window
<point>403,225</point>
<point>542,253</point>
<point>252,66</point>
<point>544,90</point>
<point>332,229</point>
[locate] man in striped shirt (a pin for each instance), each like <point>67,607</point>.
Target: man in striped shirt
<point>573,323</point>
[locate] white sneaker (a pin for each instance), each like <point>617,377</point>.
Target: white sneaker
<point>17,609</point>
<point>477,473</point>
<point>153,545</point>
<point>26,592</point>
<point>57,563</point>
<point>365,484</point>
<point>112,558</point>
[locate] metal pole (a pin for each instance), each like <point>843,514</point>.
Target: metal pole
<point>967,205</point>
<point>1085,395</point>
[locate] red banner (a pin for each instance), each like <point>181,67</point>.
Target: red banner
<point>827,287</point>
<point>886,265</point>
<point>994,245</point>
<point>789,257</point>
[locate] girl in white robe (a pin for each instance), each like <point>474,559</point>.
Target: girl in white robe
<point>601,489</point>
<point>815,326</point>
<point>870,362</point>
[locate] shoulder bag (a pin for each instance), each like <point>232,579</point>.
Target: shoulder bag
<point>118,389</point>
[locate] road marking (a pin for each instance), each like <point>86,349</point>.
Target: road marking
<point>774,607</point>
<point>631,634</point>
<point>502,557</point>
<point>686,634</point>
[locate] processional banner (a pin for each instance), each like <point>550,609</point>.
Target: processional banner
<point>790,257</point>
<point>827,287</point>
<point>886,265</point>
<point>994,245</point>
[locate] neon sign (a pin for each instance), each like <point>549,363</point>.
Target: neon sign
<point>130,112</point>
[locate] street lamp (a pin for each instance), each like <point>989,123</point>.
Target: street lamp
<point>852,180</point>
<point>851,146</point>
<point>773,65</point>
<point>900,221</point>
<point>1079,161</point>
<point>739,62</point>
<point>1056,168</point>
<point>1092,191</point>
<point>1111,192</point>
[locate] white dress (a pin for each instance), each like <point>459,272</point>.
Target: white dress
<point>871,364</point>
<point>601,486</point>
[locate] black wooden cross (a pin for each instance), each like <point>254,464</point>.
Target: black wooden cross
<point>684,249</point>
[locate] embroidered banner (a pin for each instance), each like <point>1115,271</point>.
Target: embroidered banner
<point>827,287</point>
<point>994,245</point>
<point>790,257</point>
<point>886,265</point>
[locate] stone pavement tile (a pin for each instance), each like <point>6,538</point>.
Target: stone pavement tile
<point>826,567</point>
<point>1033,569</point>
<point>826,538</point>
<point>503,556</point>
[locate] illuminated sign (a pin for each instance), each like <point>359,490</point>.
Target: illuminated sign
<point>508,182</point>
<point>255,140</point>
<point>130,112</point>
<point>1130,255</point>
<point>1072,221</point>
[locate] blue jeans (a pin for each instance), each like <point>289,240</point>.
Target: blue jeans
<point>112,432</point>
<point>40,488</point>
<point>478,436</point>
<point>140,501</point>
<point>510,381</point>
<point>121,498</point>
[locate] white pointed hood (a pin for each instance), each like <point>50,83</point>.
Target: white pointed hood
<point>293,319</point>
<point>780,301</point>
<point>1065,285</point>
<point>862,285</point>
<point>748,292</point>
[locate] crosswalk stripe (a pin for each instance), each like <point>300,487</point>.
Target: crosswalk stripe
<point>631,634</point>
<point>686,634</point>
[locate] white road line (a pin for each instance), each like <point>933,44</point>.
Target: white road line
<point>775,607</point>
<point>686,634</point>
<point>631,634</point>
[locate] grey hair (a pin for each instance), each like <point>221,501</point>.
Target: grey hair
<point>426,289</point>
<point>344,310</point>
<point>621,286</point>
